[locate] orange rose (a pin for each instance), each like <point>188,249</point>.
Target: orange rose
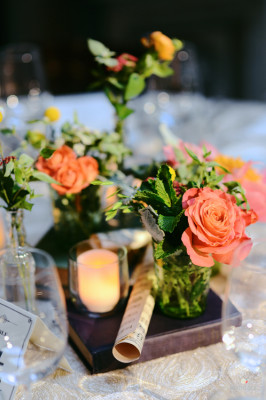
<point>89,167</point>
<point>61,156</point>
<point>75,175</point>
<point>162,44</point>
<point>216,226</point>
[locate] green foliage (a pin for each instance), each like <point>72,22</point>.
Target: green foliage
<point>107,148</point>
<point>36,139</point>
<point>47,152</point>
<point>135,86</point>
<point>15,178</point>
<point>123,82</point>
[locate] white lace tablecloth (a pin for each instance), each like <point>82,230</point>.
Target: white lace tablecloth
<point>201,374</point>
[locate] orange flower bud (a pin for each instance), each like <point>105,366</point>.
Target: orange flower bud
<point>162,44</point>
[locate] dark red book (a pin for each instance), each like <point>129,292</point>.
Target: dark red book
<point>94,338</point>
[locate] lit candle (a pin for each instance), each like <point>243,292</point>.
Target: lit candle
<point>98,279</point>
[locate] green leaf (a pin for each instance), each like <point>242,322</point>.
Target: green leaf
<point>110,214</point>
<point>122,111</point>
<point>116,193</point>
<point>232,185</point>
<point>9,168</point>
<point>206,153</point>
<point>36,139</point>
<point>168,223</point>
<point>163,250</point>
<point>152,199</point>
<point>41,176</point>
<point>109,62</point>
<point>117,205</point>
<point>102,183</point>
<point>165,175</point>
<point>114,81</point>
<point>215,164</point>
<point>160,189</point>
<point>178,44</point>
<point>135,86</point>
<point>25,160</point>
<point>193,155</point>
<point>18,176</point>
<point>162,69</point>
<point>99,49</point>
<point>47,152</point>
<point>7,131</point>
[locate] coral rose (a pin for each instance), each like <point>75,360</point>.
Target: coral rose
<point>76,175</point>
<point>63,155</point>
<point>162,44</point>
<point>216,226</point>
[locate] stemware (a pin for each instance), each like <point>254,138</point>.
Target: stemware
<point>246,338</point>
<point>23,89</point>
<point>40,293</point>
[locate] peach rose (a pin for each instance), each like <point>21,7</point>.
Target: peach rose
<point>76,175</point>
<point>162,44</point>
<point>216,226</point>
<point>63,155</point>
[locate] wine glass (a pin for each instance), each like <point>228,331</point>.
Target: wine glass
<point>29,283</point>
<point>23,89</point>
<point>244,320</point>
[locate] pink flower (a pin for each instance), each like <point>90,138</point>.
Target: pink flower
<point>256,197</point>
<point>216,226</point>
<point>170,155</point>
<point>123,60</point>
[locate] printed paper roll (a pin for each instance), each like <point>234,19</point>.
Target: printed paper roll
<point>133,329</point>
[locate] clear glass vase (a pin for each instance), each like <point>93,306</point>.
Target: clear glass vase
<point>77,216</point>
<point>182,287</point>
<point>19,265</point>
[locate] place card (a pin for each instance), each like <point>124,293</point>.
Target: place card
<point>17,327</point>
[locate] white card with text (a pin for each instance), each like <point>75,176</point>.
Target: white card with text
<point>16,326</point>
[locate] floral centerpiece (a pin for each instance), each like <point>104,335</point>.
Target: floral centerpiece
<point>74,157</point>
<point>195,217</point>
<point>124,77</point>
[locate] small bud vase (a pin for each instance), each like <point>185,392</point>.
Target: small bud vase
<point>182,287</point>
<point>18,264</point>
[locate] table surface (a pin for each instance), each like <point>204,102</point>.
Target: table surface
<point>201,374</point>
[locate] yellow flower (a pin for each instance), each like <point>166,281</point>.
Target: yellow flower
<point>162,44</point>
<point>52,113</point>
<point>1,116</point>
<point>173,174</point>
<point>232,164</point>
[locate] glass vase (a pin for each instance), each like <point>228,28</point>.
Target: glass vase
<point>182,287</point>
<point>77,216</point>
<point>19,265</point>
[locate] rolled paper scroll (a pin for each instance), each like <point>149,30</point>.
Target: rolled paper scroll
<point>133,329</point>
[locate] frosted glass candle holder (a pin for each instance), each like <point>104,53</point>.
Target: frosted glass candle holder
<point>98,278</point>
